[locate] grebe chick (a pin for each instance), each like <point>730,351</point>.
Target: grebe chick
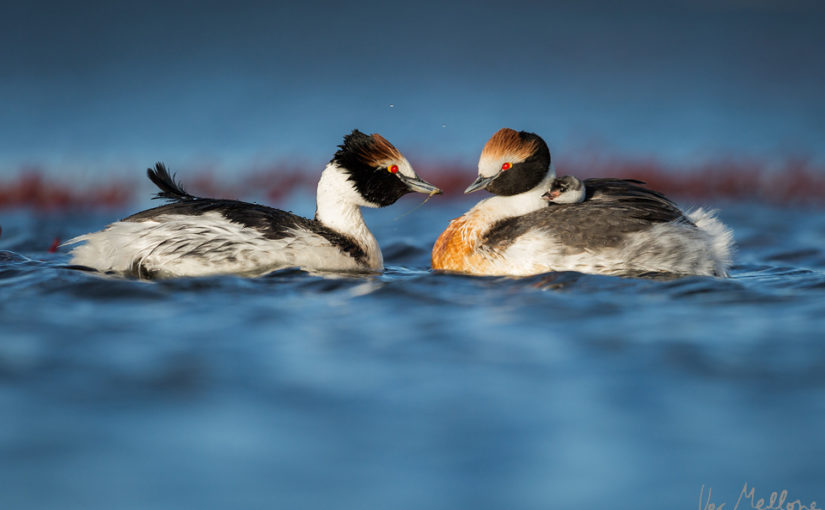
<point>620,227</point>
<point>195,236</point>
<point>565,190</point>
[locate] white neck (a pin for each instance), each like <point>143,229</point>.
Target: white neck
<point>338,206</point>
<point>500,207</point>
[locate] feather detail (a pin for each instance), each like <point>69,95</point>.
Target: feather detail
<point>374,149</point>
<point>458,247</point>
<point>508,142</point>
<point>169,188</point>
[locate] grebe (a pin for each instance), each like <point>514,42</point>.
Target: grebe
<point>195,236</point>
<point>565,190</point>
<point>620,228</point>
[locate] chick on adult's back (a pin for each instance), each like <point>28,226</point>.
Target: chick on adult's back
<point>618,228</point>
<point>195,236</point>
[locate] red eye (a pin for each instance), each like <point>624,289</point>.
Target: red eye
<point>393,169</point>
<point>506,166</point>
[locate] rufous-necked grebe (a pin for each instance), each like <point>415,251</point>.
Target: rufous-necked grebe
<point>195,236</point>
<point>619,228</point>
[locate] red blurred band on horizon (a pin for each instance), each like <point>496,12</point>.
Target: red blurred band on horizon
<point>796,181</point>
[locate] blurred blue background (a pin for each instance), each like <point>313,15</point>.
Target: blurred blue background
<point>113,86</point>
<point>410,389</point>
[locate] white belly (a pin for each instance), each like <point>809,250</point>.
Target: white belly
<point>186,245</point>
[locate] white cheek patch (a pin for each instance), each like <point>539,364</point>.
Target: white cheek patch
<point>404,167</point>
<point>488,167</point>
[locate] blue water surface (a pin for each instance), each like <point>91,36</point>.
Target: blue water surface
<point>412,389</point>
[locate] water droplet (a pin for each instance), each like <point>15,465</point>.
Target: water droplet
<point>443,125</point>
<point>392,105</point>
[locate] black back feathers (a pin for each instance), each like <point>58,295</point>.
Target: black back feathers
<point>269,222</point>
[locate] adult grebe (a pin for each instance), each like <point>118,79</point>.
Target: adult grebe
<point>195,236</point>
<point>620,228</point>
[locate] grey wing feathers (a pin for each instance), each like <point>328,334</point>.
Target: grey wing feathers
<point>612,208</point>
<point>626,197</point>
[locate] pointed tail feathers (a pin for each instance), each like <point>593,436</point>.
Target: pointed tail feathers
<point>169,188</point>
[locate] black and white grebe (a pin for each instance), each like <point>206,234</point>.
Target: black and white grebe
<point>565,190</point>
<point>195,236</point>
<point>619,228</point>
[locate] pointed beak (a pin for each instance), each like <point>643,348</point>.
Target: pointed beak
<point>481,182</point>
<point>419,185</point>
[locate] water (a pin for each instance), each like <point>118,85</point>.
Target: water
<point>412,389</point>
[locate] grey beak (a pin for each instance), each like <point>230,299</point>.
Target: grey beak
<point>419,185</point>
<point>481,182</point>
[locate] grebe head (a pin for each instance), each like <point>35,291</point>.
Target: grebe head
<point>379,173</point>
<point>565,190</point>
<point>512,162</point>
